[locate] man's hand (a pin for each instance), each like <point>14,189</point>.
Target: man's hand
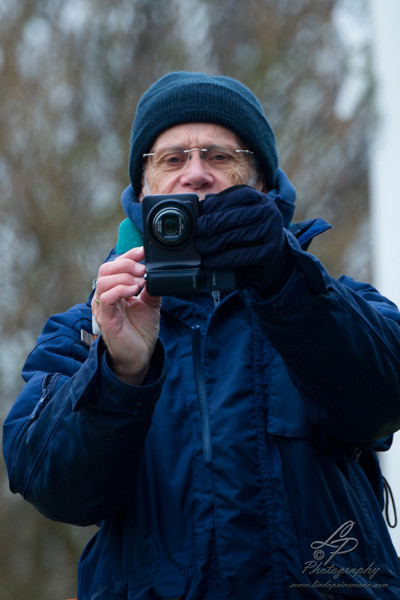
<point>129,323</point>
<point>242,228</point>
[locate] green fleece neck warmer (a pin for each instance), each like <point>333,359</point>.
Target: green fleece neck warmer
<point>129,237</point>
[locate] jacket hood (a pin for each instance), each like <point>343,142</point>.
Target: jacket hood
<point>284,196</point>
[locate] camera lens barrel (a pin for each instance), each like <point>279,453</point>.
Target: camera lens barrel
<point>171,225</point>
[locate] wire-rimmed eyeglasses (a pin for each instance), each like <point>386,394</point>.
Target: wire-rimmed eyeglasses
<point>175,157</point>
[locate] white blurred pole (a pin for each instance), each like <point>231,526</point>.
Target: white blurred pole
<point>385,184</point>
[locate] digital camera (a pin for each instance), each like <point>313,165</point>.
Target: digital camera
<point>173,266</point>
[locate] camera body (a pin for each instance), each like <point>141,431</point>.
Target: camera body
<point>173,266</point>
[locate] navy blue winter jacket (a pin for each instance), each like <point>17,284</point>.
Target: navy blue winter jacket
<point>245,467</point>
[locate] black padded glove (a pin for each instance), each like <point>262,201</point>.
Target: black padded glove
<point>242,228</point>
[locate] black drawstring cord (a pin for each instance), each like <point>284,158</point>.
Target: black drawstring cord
<point>388,496</point>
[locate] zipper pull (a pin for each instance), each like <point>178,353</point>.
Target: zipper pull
<point>216,295</point>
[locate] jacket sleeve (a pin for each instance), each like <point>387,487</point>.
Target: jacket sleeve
<point>340,341</point>
<point>73,439</point>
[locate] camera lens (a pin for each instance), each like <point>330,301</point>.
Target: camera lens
<point>171,226</point>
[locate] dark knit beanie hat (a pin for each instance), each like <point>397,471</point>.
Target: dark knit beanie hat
<point>184,97</point>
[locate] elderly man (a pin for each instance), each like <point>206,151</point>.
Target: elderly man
<point>224,441</point>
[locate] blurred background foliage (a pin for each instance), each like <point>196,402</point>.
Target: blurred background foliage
<point>71,74</point>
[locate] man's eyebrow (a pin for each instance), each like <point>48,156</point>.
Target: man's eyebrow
<point>175,148</point>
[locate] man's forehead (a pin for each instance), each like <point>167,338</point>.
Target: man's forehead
<point>196,134</point>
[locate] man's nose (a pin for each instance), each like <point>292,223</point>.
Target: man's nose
<point>196,172</point>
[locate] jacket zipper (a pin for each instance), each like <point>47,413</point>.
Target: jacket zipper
<point>47,385</point>
<point>198,367</point>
